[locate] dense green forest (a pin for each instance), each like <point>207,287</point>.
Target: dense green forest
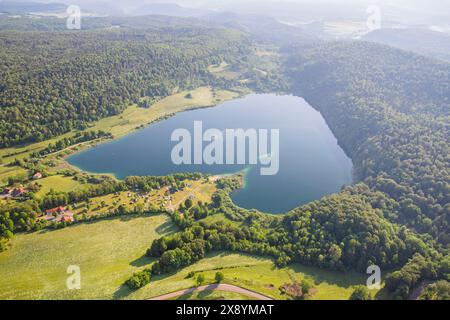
<point>390,111</point>
<point>53,82</point>
<point>340,232</point>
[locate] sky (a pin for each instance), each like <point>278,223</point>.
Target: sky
<point>413,9</point>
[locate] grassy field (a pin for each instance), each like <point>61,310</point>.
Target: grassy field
<point>7,172</point>
<point>20,152</point>
<point>253,273</point>
<point>217,68</point>
<point>134,116</point>
<point>224,70</point>
<point>58,183</point>
<point>108,253</point>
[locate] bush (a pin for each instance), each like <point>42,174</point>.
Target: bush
<point>200,279</point>
<point>138,280</point>
<point>219,277</point>
<point>361,293</point>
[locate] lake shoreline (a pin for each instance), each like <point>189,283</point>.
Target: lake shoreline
<point>314,165</point>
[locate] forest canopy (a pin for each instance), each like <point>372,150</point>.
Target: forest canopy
<point>54,82</point>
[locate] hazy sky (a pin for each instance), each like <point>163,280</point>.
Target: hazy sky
<point>408,8</point>
<point>424,4</point>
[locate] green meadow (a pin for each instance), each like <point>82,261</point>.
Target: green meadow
<point>108,252</point>
<point>58,183</point>
<point>256,274</point>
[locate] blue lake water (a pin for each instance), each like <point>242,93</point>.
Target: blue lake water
<point>311,163</point>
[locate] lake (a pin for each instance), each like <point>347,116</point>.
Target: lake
<point>311,163</point>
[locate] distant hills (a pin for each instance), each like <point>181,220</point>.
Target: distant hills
<point>30,7</point>
<point>261,27</point>
<point>420,40</point>
<point>167,9</point>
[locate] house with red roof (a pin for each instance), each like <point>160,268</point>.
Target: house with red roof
<point>67,218</point>
<point>37,176</point>
<point>57,210</point>
<point>60,214</point>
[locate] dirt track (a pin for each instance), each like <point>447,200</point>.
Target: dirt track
<point>220,287</point>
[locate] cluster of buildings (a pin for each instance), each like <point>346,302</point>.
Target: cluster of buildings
<point>58,214</point>
<point>17,192</point>
<point>14,192</point>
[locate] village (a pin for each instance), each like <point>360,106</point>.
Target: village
<point>165,199</point>
<point>20,191</point>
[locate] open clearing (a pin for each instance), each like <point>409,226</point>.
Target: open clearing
<point>110,251</point>
<point>134,116</point>
<point>58,183</point>
<point>7,172</point>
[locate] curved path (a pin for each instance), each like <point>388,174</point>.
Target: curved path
<point>220,287</point>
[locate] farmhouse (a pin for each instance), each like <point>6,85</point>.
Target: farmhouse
<point>59,214</point>
<point>57,210</point>
<point>37,176</point>
<point>68,217</point>
<point>18,192</point>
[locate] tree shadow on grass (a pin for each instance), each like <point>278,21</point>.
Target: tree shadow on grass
<point>142,261</point>
<point>318,275</point>
<point>123,292</point>
<point>187,296</point>
<point>166,227</point>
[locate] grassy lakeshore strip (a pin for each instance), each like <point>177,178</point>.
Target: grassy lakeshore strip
<point>120,125</point>
<point>134,117</point>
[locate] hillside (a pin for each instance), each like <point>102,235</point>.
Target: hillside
<point>424,41</point>
<point>54,82</point>
<point>389,112</point>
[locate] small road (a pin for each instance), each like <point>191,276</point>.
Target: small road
<point>220,287</point>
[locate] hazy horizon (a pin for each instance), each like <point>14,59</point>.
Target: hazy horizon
<point>407,12</point>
